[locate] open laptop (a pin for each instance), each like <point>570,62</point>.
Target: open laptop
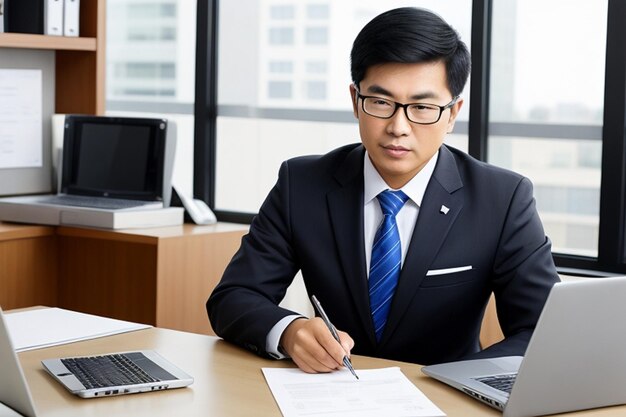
<point>108,164</point>
<point>116,373</point>
<point>576,358</point>
<point>15,398</point>
<point>102,375</point>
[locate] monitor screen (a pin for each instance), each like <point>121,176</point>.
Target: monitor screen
<point>114,157</point>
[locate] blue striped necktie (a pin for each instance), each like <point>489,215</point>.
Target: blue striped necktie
<point>386,260</point>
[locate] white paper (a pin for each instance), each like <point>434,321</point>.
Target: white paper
<point>35,329</point>
<point>382,392</point>
<point>21,141</point>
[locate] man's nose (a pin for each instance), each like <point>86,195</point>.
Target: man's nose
<point>399,124</point>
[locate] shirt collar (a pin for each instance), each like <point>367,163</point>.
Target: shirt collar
<point>414,189</point>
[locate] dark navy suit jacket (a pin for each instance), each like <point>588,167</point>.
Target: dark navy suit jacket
<point>312,220</point>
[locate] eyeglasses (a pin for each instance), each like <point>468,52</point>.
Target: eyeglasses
<point>420,113</point>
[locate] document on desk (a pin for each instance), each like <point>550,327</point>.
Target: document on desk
<point>385,392</point>
<point>36,329</point>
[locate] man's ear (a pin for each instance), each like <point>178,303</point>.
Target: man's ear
<point>355,101</point>
<point>454,112</point>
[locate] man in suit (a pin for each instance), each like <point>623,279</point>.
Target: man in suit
<point>464,229</point>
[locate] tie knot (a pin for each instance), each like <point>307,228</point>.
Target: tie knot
<point>391,201</point>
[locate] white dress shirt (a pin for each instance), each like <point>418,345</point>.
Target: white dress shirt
<point>372,218</point>
<point>406,217</point>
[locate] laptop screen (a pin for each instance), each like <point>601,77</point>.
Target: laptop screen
<point>114,157</point>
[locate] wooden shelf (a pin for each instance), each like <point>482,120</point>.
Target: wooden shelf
<point>13,231</point>
<point>64,43</point>
<point>79,61</point>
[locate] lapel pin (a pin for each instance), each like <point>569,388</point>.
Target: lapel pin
<point>444,209</point>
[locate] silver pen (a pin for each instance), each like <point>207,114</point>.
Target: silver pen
<point>333,331</point>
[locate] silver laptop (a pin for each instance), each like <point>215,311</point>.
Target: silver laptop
<point>576,358</point>
<point>108,163</point>
<point>116,373</point>
<point>87,377</point>
<point>15,398</point>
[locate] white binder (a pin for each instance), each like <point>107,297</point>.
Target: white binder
<point>53,17</point>
<point>71,18</point>
<point>1,16</point>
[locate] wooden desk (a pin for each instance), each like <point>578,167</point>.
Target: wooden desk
<point>159,276</point>
<point>228,381</point>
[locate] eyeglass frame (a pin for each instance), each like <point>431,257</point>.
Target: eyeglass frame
<point>405,106</point>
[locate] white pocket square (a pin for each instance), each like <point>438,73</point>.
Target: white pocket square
<point>448,270</point>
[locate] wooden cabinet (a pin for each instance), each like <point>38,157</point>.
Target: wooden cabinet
<point>79,62</point>
<point>159,276</point>
<point>28,266</point>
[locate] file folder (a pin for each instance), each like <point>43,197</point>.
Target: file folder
<point>23,16</point>
<point>1,16</point>
<point>71,17</point>
<point>53,17</point>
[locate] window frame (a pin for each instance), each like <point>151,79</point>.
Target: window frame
<point>612,229</point>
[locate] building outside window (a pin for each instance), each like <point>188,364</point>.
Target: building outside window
<point>546,110</point>
<point>150,72</point>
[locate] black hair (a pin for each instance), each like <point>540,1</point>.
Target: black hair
<point>411,35</point>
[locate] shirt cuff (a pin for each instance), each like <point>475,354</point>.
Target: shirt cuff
<point>273,337</point>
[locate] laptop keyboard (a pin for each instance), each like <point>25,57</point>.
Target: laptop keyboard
<point>502,382</point>
<point>93,202</point>
<point>107,371</point>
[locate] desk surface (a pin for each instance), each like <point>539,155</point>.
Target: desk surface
<point>228,381</point>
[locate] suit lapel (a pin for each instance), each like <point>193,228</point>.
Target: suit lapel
<point>345,205</point>
<point>430,231</point>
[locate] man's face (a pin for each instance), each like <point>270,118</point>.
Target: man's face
<point>398,148</point>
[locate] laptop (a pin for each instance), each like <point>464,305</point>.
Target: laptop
<point>108,164</point>
<point>116,373</point>
<point>576,358</point>
<point>87,377</point>
<point>15,398</point>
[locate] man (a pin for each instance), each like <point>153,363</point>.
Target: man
<point>458,230</point>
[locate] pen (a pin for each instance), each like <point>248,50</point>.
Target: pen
<point>333,331</point>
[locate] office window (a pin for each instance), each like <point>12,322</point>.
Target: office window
<point>147,92</point>
<point>316,90</point>
<point>282,12</point>
<point>145,10</point>
<point>317,11</point>
<point>281,36</point>
<point>153,9</point>
<point>279,89</point>
<point>281,67</point>
<point>316,35</point>
<point>168,33</point>
<point>151,33</point>
<point>146,70</point>
<point>546,109</point>
<point>258,124</point>
<point>168,10</point>
<point>316,67</point>
<point>150,58</point>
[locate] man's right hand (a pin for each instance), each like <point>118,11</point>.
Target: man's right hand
<point>313,348</point>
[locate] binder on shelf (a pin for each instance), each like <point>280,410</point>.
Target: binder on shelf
<point>71,17</point>
<point>53,17</point>
<point>23,16</point>
<point>1,16</point>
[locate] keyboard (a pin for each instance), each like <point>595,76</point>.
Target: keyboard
<point>95,202</point>
<point>503,382</point>
<point>107,371</point>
